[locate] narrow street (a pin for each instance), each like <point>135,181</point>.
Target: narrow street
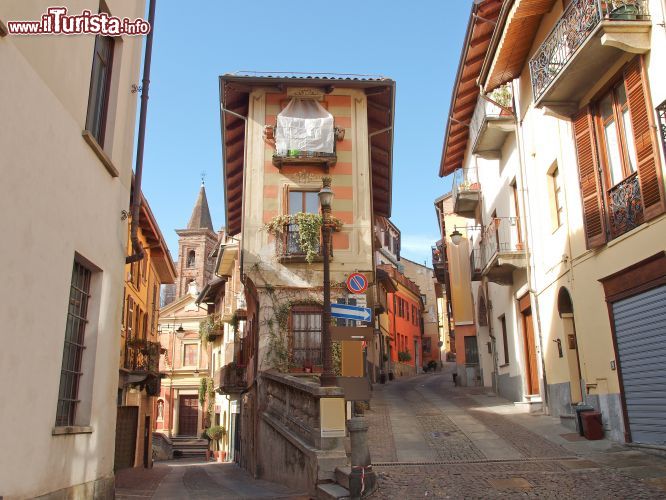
<point>195,479</point>
<point>431,439</point>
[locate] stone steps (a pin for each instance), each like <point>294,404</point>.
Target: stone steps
<point>332,491</point>
<point>188,447</point>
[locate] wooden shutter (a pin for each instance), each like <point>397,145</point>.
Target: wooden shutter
<point>645,141</point>
<point>591,189</point>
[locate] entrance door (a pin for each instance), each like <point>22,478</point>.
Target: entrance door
<point>531,372</point>
<point>640,332</point>
<point>126,424</point>
<point>188,411</point>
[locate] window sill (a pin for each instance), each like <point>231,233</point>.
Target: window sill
<point>72,429</point>
<point>504,365</point>
<point>103,157</point>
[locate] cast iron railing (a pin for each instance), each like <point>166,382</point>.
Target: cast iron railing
<point>487,108</point>
<point>142,355</point>
<point>578,21</point>
<point>624,206</point>
<point>502,234</point>
<point>288,243</point>
<point>661,115</point>
<point>465,180</point>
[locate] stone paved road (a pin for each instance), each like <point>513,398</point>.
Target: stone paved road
<point>430,439</point>
<point>193,479</point>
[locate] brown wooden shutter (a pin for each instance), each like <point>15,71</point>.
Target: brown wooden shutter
<point>645,141</point>
<point>590,183</point>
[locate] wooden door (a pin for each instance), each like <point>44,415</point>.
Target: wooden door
<point>187,415</point>
<point>531,372</point>
<point>126,424</point>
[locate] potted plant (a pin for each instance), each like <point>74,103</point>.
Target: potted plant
<point>624,10</point>
<point>215,433</point>
<point>204,435</point>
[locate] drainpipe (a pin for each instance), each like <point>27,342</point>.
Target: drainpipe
<point>525,198</point>
<point>139,253</point>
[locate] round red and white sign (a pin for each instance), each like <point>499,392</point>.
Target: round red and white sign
<point>357,283</point>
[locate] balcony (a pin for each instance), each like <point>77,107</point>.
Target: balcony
<point>491,123</point>
<point>624,206</point>
<point>475,263</point>
<point>284,157</point>
<point>230,379</point>
<point>587,39</point>
<point>142,356</point>
<point>288,246</point>
<point>466,192</point>
<point>501,250</point>
<point>439,261</point>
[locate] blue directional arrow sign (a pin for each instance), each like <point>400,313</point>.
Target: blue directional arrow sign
<point>344,311</point>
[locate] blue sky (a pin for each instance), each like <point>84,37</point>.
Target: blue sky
<point>415,43</point>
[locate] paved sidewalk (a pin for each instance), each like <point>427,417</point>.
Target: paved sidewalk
<point>186,478</point>
<point>431,439</point>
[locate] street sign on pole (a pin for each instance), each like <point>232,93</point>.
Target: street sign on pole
<point>357,283</point>
<point>343,311</point>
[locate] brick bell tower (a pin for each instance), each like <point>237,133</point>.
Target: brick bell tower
<point>195,244</point>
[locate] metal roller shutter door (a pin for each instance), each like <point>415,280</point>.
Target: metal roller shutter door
<point>640,330</point>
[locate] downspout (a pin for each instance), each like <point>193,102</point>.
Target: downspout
<point>139,252</point>
<point>525,199</point>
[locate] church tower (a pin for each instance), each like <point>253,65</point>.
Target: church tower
<point>195,244</point>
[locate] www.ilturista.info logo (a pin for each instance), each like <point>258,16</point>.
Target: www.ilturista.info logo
<point>57,22</point>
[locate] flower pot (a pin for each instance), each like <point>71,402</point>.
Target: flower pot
<point>624,13</point>
<point>207,455</point>
<point>220,456</point>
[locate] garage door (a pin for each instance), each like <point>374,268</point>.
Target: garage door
<point>640,329</point>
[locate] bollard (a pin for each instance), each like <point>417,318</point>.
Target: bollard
<point>362,480</point>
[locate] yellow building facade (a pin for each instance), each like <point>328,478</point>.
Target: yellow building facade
<point>139,377</point>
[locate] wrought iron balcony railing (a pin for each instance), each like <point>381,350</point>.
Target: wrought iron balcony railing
<point>579,20</point>
<point>488,111</point>
<point>142,356</point>
<point>438,255</point>
<point>501,235</point>
<point>466,180</point>
<point>288,243</point>
<point>624,206</point>
<point>230,379</point>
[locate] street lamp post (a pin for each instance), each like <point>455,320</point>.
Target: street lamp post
<point>327,378</point>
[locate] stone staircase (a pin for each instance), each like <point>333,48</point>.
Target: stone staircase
<point>338,490</point>
<point>189,447</point>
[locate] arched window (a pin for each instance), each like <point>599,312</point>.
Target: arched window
<point>564,304</point>
<point>190,258</point>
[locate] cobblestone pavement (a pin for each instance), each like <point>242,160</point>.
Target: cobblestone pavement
<point>194,479</point>
<point>476,446</point>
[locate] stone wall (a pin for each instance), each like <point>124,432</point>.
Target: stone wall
<point>292,450</point>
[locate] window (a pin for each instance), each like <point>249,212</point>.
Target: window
<point>618,152</point>
<point>306,323</point>
<point>557,197</point>
<point>70,373</point>
<point>424,299</point>
<point>190,353</point>
<point>396,246</point>
<point>505,340</point>
<point>191,256</point>
<point>303,201</point>
<point>620,174</point>
<point>129,325</point>
<point>100,86</point>
<point>387,238</point>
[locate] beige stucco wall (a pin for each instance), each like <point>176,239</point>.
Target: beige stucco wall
<point>560,257</point>
<point>263,183</point>
<point>57,199</point>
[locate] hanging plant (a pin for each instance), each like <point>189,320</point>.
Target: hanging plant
<point>309,230</point>
<point>210,328</point>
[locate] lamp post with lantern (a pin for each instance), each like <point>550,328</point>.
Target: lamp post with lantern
<point>327,378</point>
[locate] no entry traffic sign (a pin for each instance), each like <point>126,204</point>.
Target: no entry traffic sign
<point>357,283</point>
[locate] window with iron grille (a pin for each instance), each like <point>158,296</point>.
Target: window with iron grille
<point>100,86</point>
<point>306,324</point>
<point>70,373</point>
